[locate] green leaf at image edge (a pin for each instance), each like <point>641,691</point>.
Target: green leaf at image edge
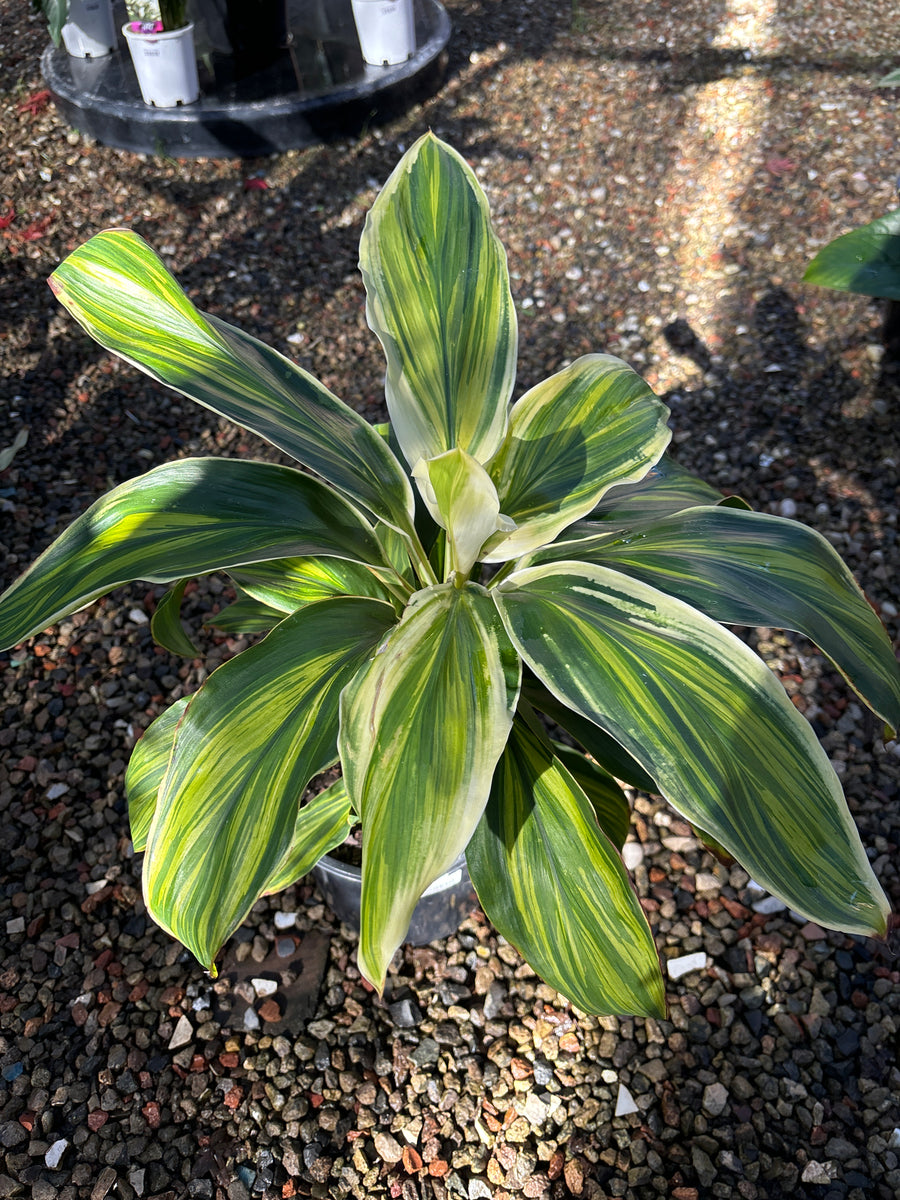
<point>554,886</point>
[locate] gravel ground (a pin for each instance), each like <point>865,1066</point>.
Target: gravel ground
<point>661,176</point>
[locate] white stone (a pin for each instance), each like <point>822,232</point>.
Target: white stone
<point>136,1179</point>
<point>625,1102</point>
<point>182,1034</point>
<point>769,905</point>
<point>138,616</point>
<point>96,885</point>
<point>787,508</point>
<point>55,790</point>
<point>816,1172</point>
<point>894,1140</point>
<point>706,882</point>
<point>53,1157</point>
<point>285,920</point>
<point>535,1109</point>
<point>677,967</point>
<point>264,987</point>
<point>632,855</point>
<point>15,925</point>
<point>251,1020</point>
<point>715,1098</point>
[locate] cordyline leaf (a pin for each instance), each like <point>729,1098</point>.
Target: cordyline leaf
<point>554,886</point>
<point>667,487</point>
<point>570,439</point>
<point>438,300</point>
<point>462,499</point>
<point>746,568</point>
<point>607,799</point>
<point>865,260</point>
<point>255,733</point>
<point>165,624</point>
<point>184,518</point>
<point>604,749</point>
<point>147,768</point>
<point>290,583</point>
<point>422,727</point>
<point>245,615</point>
<point>321,826</point>
<point>709,721</point>
<point>119,290</point>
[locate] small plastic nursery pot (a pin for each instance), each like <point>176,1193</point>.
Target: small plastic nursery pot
<point>165,65</point>
<point>89,31</point>
<point>386,29</point>
<point>439,913</point>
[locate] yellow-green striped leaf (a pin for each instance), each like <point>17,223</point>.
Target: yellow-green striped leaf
<point>321,826</point>
<point>438,299</point>
<point>183,518</point>
<point>255,733</point>
<point>422,727</point>
<point>554,886</point>
<point>290,583</point>
<point>595,741</point>
<point>708,721</point>
<point>607,799</point>
<point>119,290</point>
<point>746,568</point>
<point>666,488</point>
<point>147,768</point>
<point>462,499</point>
<point>593,425</point>
<point>245,615</point>
<point>165,624</point>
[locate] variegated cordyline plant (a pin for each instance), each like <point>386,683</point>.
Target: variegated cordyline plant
<point>442,596</point>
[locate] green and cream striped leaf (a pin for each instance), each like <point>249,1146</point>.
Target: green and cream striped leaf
<point>147,768</point>
<point>554,886</point>
<point>708,721</point>
<point>747,568</point>
<point>666,488</point>
<point>593,425</point>
<point>165,624</point>
<point>255,733</point>
<point>596,742</point>
<point>438,299</point>
<point>119,290</point>
<point>607,799</point>
<point>321,826</point>
<point>245,615</point>
<point>184,518</point>
<point>422,727</point>
<point>462,499</point>
<point>287,584</point>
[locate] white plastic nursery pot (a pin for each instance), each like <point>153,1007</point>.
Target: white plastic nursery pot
<point>386,29</point>
<point>90,31</point>
<point>439,913</point>
<point>165,65</point>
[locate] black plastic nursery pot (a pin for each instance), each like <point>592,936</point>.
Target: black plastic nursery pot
<point>439,913</point>
<point>273,77</point>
